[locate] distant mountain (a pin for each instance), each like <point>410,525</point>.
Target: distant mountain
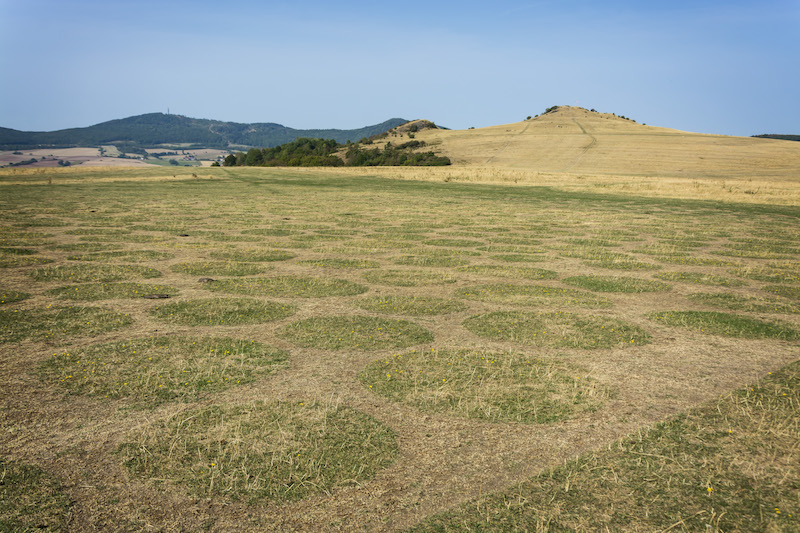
<point>154,129</point>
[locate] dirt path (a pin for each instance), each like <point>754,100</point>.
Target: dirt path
<point>586,148</point>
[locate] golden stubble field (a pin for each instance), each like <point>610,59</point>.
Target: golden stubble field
<point>399,342</point>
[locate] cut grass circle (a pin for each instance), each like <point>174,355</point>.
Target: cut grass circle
<point>222,312</point>
<point>219,268</point>
<point>769,274</point>
<point>8,296</point>
<point>510,271</point>
<point>408,278</point>
<point>727,324</point>
<point>532,295</point>
<point>133,256</point>
<point>259,452</point>
<point>556,329</point>
<point>357,264</point>
<point>498,387</point>
<point>109,291</point>
<point>31,499</point>
<point>750,304</point>
<point>786,291</point>
<point>93,272</point>
<point>453,243</point>
<point>699,278</point>
<point>355,332</point>
<point>252,256</point>
<point>154,370</point>
<point>288,287</point>
<point>55,323</point>
<point>411,305</point>
<point>430,260</point>
<point>616,284</point>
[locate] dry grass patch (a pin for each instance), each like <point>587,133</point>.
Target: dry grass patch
<point>499,387</point>
<point>532,295</point>
<point>222,312</point>
<point>355,332</point>
<point>557,329</point>
<point>261,451</point>
<point>58,323</point>
<point>150,371</point>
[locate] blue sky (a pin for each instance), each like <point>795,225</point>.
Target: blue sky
<point>729,67</point>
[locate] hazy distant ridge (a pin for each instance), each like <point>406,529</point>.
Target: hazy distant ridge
<point>158,128</point>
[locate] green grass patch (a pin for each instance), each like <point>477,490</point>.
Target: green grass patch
<point>610,260</point>
<point>726,324</point>
<point>430,260</point>
<point>750,304</point>
<point>85,247</point>
<point>699,278</point>
<point>31,499</point>
<point>154,370</point>
<point>93,272</point>
<point>133,256</point>
<point>616,284</point>
<point>271,232</point>
<point>109,291</point>
<point>510,271</point>
<point>769,274</point>
<point>507,293</point>
<point>411,305</point>
<point>557,329</point>
<point>125,238</point>
<point>252,256</point>
<point>10,250</point>
<point>408,278</point>
<point>288,287</point>
<point>219,268</point>
<point>55,323</point>
<point>679,472</point>
<point>453,243</point>
<point>786,291</point>
<point>518,258</point>
<point>357,264</point>
<point>498,387</point>
<point>8,296</point>
<point>259,452</point>
<point>355,332</point>
<point>222,312</point>
<point>15,261</point>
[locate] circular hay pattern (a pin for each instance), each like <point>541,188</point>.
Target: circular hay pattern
<point>727,324</point>
<point>134,256</point>
<point>93,272</point>
<point>616,284</point>
<point>499,387</point>
<point>411,305</point>
<point>408,278</point>
<point>222,312</point>
<point>355,332</point>
<point>262,451</point>
<point>532,295</point>
<point>109,291</point>
<point>153,370</point>
<point>556,329</point>
<point>58,322</point>
<point>288,287</point>
<point>252,256</point>
<point>219,268</point>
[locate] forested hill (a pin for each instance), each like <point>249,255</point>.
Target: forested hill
<point>155,129</point>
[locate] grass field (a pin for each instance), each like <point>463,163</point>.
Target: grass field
<point>315,350</point>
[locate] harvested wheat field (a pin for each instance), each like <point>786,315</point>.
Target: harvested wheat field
<point>568,337</point>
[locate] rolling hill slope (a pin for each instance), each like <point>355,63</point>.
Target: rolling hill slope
<point>575,140</point>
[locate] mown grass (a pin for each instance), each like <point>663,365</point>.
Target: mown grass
<point>58,323</point>
<point>93,272</point>
<point>222,312</point>
<point>355,332</point>
<point>288,286</point>
<point>259,452</point>
<point>556,329</point>
<point>680,475</point>
<point>408,278</point>
<point>531,295</point>
<point>494,386</point>
<point>149,371</point>
<point>411,305</point>
<point>751,304</point>
<point>31,499</point>
<point>616,284</point>
<point>727,324</point>
<point>219,268</point>
<point>109,291</point>
<point>700,278</point>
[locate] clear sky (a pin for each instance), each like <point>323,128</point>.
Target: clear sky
<point>721,66</point>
